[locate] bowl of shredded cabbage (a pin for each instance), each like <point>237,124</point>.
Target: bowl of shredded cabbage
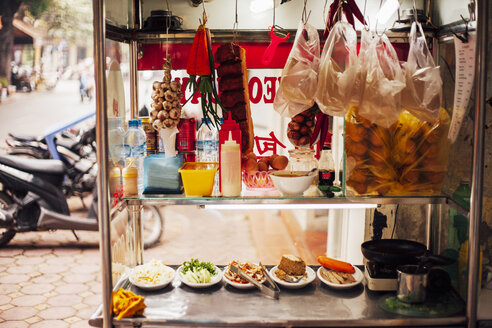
<point>198,274</point>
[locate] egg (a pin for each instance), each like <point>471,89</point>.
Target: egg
<point>262,166</point>
<point>280,162</point>
<point>251,165</point>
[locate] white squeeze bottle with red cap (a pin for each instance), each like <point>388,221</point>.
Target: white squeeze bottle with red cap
<point>230,168</point>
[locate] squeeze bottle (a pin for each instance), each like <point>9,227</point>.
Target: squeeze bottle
<point>230,168</point>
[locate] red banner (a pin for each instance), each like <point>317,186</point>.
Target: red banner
<point>154,54</point>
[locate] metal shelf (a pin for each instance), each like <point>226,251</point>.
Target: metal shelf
<point>202,201</point>
<point>187,36</point>
<point>222,305</point>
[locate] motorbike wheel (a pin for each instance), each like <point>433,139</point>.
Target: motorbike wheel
<point>6,233</point>
<point>153,224</point>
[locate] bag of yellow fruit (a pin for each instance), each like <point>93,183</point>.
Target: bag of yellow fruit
<point>421,153</point>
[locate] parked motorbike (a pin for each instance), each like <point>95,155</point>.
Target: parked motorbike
<point>31,200</point>
<point>21,77</point>
<point>75,151</point>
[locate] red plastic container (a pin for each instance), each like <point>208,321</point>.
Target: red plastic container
<point>186,137</point>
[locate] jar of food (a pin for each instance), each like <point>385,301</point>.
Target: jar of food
<point>302,159</point>
<point>151,134</point>
<point>130,185</point>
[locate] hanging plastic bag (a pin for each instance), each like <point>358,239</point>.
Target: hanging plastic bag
<point>423,91</point>
<point>384,81</point>
<point>337,70</point>
<point>300,74</point>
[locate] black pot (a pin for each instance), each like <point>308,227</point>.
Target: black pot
<point>160,20</point>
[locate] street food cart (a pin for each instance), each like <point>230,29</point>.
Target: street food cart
<point>150,34</point>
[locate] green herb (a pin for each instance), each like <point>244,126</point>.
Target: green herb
<point>197,265</point>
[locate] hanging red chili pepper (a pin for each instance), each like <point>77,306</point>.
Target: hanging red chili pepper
<point>201,69</point>
<point>349,8</point>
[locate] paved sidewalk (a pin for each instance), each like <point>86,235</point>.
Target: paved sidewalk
<point>49,279</point>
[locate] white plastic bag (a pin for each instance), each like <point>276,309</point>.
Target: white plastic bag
<point>423,91</point>
<point>338,68</point>
<point>384,81</point>
<point>300,74</point>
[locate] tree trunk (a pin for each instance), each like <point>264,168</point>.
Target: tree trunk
<point>7,12</point>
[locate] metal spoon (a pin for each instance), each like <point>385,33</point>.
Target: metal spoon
<point>312,171</point>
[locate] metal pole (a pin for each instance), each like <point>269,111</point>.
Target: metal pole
<point>133,61</point>
<point>428,228</point>
<point>440,218</point>
<point>133,78</point>
<point>478,158</point>
<point>102,156</point>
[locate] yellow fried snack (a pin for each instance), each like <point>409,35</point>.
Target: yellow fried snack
<point>127,304</point>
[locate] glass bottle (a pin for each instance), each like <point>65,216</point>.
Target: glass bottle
<point>326,174</point>
<point>302,159</point>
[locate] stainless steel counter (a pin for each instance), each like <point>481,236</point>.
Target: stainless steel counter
<point>223,305</point>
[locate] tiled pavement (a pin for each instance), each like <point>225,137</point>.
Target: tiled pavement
<point>49,279</point>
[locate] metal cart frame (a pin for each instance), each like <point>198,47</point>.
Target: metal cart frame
<point>100,34</point>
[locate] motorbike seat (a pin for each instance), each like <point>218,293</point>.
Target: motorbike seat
<point>66,142</point>
<point>25,137</point>
<point>51,170</point>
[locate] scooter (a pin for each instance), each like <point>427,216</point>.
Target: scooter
<point>75,150</point>
<point>31,200</point>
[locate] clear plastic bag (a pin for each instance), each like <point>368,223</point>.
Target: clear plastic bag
<point>383,83</point>
<point>338,69</point>
<point>423,91</point>
<point>300,74</point>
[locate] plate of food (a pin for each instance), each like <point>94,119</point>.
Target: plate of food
<point>251,269</point>
<point>151,276</point>
<point>198,274</point>
<point>292,272</point>
<point>338,274</point>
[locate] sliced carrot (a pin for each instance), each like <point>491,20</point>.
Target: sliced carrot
<point>336,265</point>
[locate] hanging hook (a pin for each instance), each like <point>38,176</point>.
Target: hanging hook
<point>204,14</point>
<point>168,24</point>
<point>305,15</point>
<point>235,26</point>
<point>464,37</point>
<point>324,13</point>
<point>273,24</point>
<point>415,16</point>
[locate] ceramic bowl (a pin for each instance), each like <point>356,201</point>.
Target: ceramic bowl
<point>292,183</point>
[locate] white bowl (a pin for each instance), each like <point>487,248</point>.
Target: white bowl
<point>311,275</point>
<point>293,185</point>
<point>140,270</point>
<point>358,276</point>
<point>214,280</point>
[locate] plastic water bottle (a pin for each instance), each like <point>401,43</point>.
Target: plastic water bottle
<point>116,140</point>
<point>207,144</point>
<point>136,147</point>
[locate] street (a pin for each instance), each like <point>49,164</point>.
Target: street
<point>32,113</point>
